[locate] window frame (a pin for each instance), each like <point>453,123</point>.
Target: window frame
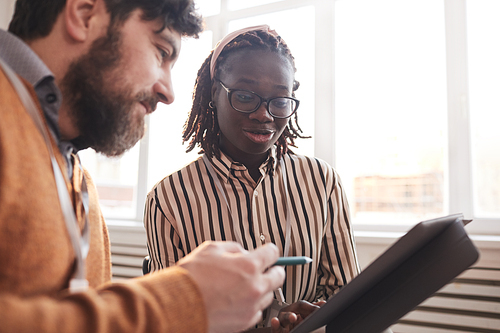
<point>458,179</point>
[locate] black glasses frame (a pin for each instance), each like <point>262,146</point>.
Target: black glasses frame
<point>262,99</point>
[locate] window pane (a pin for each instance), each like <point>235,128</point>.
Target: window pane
<point>239,4</point>
<point>115,180</point>
<point>390,92</point>
<point>208,7</point>
<point>6,11</point>
<point>484,87</point>
<point>166,152</point>
<point>301,43</point>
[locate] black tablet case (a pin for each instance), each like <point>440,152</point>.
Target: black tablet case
<point>420,263</point>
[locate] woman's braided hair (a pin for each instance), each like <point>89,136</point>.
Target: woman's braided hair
<point>202,127</point>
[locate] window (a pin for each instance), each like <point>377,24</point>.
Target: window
<point>238,4</point>
<point>400,97</point>
<point>116,180</point>
<point>166,152</point>
<point>484,87</point>
<point>390,108</point>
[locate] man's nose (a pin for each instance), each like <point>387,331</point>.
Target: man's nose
<point>163,88</point>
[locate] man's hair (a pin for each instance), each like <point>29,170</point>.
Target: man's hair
<point>35,18</point>
<point>201,127</point>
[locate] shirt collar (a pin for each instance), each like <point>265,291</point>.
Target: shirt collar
<point>226,167</point>
<point>22,59</point>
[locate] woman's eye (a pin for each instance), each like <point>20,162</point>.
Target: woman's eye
<point>243,97</point>
<point>280,103</point>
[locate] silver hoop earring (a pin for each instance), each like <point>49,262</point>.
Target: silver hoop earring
<point>211,105</point>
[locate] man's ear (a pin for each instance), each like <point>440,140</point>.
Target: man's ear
<point>77,18</point>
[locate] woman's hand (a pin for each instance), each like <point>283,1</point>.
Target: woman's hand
<point>292,315</point>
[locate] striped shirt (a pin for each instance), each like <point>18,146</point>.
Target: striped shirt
<point>187,208</point>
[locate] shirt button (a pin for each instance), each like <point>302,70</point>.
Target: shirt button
<point>51,98</point>
<point>262,237</point>
<point>255,193</point>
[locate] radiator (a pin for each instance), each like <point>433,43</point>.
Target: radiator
<point>470,303</point>
<point>128,249</point>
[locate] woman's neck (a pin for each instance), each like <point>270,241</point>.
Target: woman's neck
<point>251,161</point>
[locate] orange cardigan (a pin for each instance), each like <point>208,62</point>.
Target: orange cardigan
<point>36,256</point>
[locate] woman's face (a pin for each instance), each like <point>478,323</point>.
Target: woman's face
<point>247,136</point>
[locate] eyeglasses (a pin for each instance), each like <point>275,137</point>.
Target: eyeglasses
<point>247,101</point>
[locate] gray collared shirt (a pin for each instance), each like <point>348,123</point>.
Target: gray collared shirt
<point>21,58</point>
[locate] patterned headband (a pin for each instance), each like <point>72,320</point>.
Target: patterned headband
<point>229,37</point>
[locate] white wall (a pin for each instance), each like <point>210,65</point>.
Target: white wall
<point>6,10</point>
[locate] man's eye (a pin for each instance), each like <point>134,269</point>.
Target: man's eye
<point>163,53</point>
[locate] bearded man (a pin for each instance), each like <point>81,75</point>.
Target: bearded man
<point>84,73</point>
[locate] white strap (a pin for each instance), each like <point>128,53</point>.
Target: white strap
<point>80,244</point>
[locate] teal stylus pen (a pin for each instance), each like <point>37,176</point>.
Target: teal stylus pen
<point>286,261</point>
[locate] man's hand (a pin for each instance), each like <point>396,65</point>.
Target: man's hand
<point>292,315</point>
<point>236,285</point>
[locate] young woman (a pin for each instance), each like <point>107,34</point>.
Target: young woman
<point>248,186</point>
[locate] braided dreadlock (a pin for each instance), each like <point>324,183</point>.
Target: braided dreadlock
<point>202,127</point>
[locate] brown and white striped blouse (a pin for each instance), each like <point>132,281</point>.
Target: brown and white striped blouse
<point>187,208</point>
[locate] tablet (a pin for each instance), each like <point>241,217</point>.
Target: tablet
<point>420,263</point>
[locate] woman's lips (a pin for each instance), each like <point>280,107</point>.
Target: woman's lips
<point>259,137</point>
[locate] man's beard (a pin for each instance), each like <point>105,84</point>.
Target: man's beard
<point>100,101</point>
